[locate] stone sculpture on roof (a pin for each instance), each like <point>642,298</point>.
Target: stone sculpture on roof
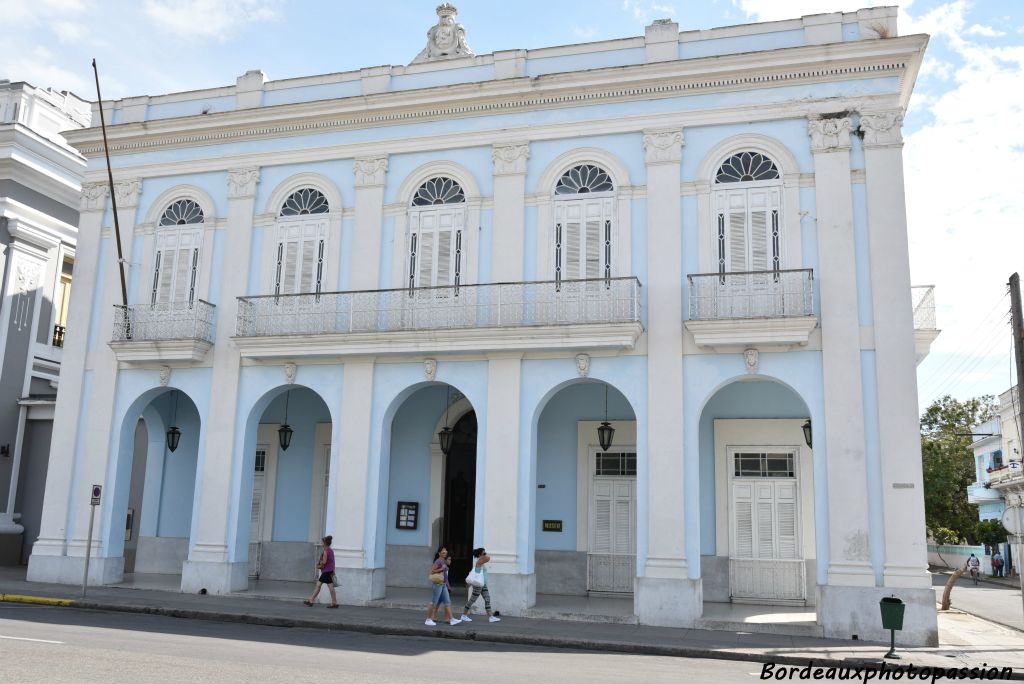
<point>446,39</point>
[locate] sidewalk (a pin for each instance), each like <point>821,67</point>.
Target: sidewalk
<point>966,641</point>
<point>1010,582</point>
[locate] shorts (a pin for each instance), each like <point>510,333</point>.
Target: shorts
<point>440,595</point>
<point>326,578</point>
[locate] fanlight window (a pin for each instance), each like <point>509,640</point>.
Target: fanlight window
<point>746,166</point>
<point>182,212</point>
<point>305,201</point>
<point>439,190</point>
<point>583,179</point>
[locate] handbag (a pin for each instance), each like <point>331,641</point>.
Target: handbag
<point>334,579</point>
<point>475,578</point>
<point>436,578</point>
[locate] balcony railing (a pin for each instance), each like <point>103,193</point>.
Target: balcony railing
<point>545,303</point>
<point>923,297</point>
<point>58,335</point>
<point>751,294</point>
<point>161,322</point>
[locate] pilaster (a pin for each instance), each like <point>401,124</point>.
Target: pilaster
<point>211,565</point>
<point>509,211</point>
<point>843,433</point>
<point>369,207</point>
<point>906,554</point>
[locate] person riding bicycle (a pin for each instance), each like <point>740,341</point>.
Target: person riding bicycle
<point>974,563</point>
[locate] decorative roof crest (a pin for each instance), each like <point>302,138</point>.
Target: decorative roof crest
<point>446,39</point>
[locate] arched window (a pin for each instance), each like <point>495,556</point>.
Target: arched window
<point>179,238</point>
<point>437,219</point>
<point>747,202</point>
<point>584,224</point>
<point>301,243</point>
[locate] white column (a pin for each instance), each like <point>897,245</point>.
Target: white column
<point>369,206</point>
<point>665,594</point>
<point>906,552</point>
<point>502,499</point>
<point>47,562</point>
<point>99,431</point>
<point>361,580</point>
<point>212,564</point>
<point>849,562</point>
<point>509,212</point>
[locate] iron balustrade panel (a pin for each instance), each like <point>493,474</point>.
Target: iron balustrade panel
<point>751,294</point>
<point>923,298</point>
<point>570,302</point>
<point>172,321</point>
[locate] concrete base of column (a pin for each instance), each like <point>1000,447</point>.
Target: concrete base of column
<point>847,611</point>
<point>360,586</point>
<point>215,576</point>
<point>668,602</point>
<point>512,593</point>
<point>69,570</point>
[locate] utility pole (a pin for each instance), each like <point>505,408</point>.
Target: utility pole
<point>1017,325</point>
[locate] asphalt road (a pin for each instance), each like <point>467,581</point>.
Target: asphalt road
<point>987,600</point>
<point>51,644</point>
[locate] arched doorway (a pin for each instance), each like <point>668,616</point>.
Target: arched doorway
<point>585,515</point>
<point>761,547</point>
<point>431,495</point>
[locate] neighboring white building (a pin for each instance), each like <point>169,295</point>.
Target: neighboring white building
<point>1000,482</point>
<point>397,304</point>
<point>40,182</point>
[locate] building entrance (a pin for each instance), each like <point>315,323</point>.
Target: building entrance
<point>460,497</point>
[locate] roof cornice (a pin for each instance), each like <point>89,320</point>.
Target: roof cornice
<point>898,57</point>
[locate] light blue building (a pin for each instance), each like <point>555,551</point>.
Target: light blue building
<point>635,315</point>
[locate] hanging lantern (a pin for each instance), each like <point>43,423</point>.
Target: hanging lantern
<point>605,432</point>
<point>446,436</point>
<point>285,432</point>
<point>806,427</point>
<point>173,433</point>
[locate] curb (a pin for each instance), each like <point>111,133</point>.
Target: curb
<point>36,600</point>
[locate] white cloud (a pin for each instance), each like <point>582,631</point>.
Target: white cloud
<point>68,31</point>
<point>218,19</point>
<point>648,11</point>
<point>773,10</point>
<point>584,32</point>
<point>987,31</point>
<point>38,66</point>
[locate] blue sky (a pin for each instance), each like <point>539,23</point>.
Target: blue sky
<point>964,134</point>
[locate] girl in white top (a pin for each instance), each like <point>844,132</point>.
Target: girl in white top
<point>481,564</point>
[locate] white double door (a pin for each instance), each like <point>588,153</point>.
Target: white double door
<point>611,557</point>
<point>765,556</point>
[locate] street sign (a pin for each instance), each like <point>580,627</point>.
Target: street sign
<point>96,490</point>
<point>1013,465</point>
<point>1011,520</point>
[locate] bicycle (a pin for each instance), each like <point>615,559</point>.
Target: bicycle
<point>974,575</point>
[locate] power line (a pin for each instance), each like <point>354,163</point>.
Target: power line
<point>961,357</point>
<point>952,380</point>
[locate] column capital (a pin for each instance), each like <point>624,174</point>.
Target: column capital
<point>127,192</point>
<point>830,134</point>
<point>370,171</point>
<point>882,129</point>
<point>664,146</point>
<point>94,196</point>
<point>242,182</point>
<point>510,159</point>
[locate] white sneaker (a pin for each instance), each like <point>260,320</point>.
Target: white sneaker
<point>430,623</point>
<point>466,618</point>
<point>454,621</point>
<point>494,619</point>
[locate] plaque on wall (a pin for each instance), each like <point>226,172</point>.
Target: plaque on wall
<point>552,526</point>
<point>408,515</point>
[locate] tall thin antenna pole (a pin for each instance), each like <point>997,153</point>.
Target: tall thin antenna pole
<point>113,199</point>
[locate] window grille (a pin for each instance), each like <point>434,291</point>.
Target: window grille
<point>612,463</point>
<point>182,212</point>
<point>746,166</point>
<point>305,201</point>
<point>762,464</point>
<point>439,190</point>
<point>584,179</point>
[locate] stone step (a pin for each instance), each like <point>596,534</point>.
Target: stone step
<point>797,629</point>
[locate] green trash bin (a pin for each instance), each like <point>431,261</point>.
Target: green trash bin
<point>892,612</point>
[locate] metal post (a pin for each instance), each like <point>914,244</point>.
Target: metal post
<point>1017,325</point>
<point>88,549</point>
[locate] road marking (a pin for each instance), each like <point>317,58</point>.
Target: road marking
<point>41,641</point>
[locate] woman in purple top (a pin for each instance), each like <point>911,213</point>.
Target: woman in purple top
<point>326,567</point>
<point>441,595</point>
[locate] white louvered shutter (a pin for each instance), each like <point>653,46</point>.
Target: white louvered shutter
<point>176,266</point>
<point>602,518</point>
<point>786,516</point>
<point>747,222</point>
<point>301,256</point>
<point>743,521</point>
<point>436,258</point>
<point>583,238</point>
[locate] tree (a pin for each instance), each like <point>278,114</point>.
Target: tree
<point>990,532</point>
<point>948,462</point>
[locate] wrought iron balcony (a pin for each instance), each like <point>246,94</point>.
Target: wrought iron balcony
<point>751,294</point>
<point>762,309</point>
<point>58,335</point>
<point>923,297</point>
<point>525,315</point>
<point>170,332</point>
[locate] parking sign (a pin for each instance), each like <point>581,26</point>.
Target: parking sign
<point>96,491</point>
